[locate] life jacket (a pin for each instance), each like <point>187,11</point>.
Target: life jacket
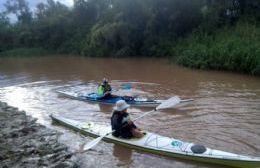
<point>100,90</point>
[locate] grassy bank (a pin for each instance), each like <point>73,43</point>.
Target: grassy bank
<point>22,52</point>
<point>233,48</point>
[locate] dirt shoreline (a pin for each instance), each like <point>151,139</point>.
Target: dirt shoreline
<point>25,143</point>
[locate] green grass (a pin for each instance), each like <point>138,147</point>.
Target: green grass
<point>233,48</point>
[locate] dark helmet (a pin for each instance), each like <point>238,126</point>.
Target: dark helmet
<point>105,81</point>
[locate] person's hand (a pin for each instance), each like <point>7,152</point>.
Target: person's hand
<point>107,93</point>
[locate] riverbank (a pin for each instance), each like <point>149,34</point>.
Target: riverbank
<point>27,52</point>
<point>25,143</point>
<point>232,48</point>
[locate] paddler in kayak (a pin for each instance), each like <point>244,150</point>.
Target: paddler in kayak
<point>122,124</point>
<point>104,89</point>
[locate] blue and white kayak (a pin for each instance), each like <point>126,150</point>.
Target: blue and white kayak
<point>133,101</point>
<point>161,145</point>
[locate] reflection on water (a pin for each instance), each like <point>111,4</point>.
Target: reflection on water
<point>225,114</point>
<point>123,154</point>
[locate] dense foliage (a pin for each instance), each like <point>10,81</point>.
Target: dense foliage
<point>197,33</point>
<point>235,48</point>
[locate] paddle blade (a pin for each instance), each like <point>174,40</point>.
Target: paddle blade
<point>126,86</point>
<point>169,103</point>
<point>92,143</point>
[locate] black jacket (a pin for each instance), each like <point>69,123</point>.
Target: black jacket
<point>123,130</point>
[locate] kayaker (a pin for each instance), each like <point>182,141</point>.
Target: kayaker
<point>122,123</point>
<point>104,89</point>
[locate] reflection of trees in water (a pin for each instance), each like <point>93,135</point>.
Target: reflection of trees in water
<point>123,154</point>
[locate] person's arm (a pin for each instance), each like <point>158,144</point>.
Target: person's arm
<point>107,90</point>
<point>116,122</point>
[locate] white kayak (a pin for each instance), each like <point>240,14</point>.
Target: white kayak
<point>133,101</point>
<point>161,145</point>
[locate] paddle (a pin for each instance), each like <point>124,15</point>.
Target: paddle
<point>164,105</point>
<point>126,86</point>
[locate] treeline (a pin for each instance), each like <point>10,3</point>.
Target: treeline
<point>209,34</point>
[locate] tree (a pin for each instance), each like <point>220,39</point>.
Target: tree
<point>52,24</point>
<point>6,38</point>
<point>20,9</point>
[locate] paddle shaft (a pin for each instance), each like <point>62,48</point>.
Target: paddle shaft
<point>141,116</point>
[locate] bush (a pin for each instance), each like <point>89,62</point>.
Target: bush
<point>234,48</point>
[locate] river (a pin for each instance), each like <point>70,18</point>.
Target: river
<point>224,115</point>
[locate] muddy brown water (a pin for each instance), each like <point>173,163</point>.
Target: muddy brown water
<point>224,115</point>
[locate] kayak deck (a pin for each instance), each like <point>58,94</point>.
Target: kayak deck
<point>161,145</point>
<point>133,101</point>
